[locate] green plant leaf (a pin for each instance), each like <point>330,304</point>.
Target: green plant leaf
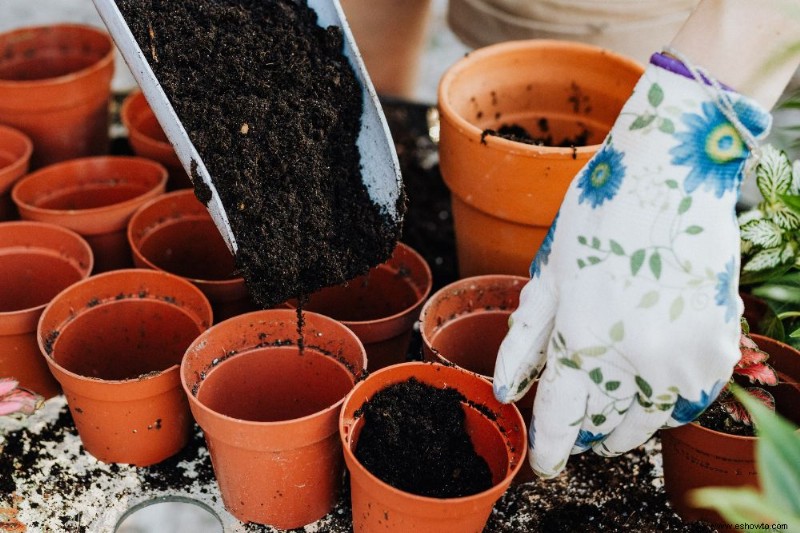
<point>685,204</point>
<point>785,217</point>
<point>773,173</point>
<point>765,259</point>
<point>616,248</point>
<point>617,332</point>
<point>743,505</point>
<point>612,385</point>
<point>642,121</point>
<point>762,233</point>
<point>655,265</point>
<point>762,276</point>
<point>792,202</point>
<point>778,292</point>
<point>655,95</point>
<point>649,299</point>
<point>637,260</point>
<point>598,419</point>
<point>596,375</point>
<point>676,309</point>
<point>777,454</point>
<point>644,386</point>
<point>694,230</point>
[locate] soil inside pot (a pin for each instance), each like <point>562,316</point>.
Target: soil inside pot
<point>716,418</point>
<point>517,133</point>
<point>274,109</point>
<point>414,438</point>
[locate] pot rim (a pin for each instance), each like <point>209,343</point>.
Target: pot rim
<point>63,79</point>
<point>16,168</point>
<point>447,112</point>
<point>133,129</point>
<point>349,424</point>
<point>253,315</point>
<point>113,160</point>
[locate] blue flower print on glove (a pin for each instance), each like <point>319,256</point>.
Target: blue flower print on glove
<point>602,176</point>
<point>726,291</point>
<point>585,440</point>
<point>544,250</point>
<point>686,411</point>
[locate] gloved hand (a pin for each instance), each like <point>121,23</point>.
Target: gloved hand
<point>632,307</point>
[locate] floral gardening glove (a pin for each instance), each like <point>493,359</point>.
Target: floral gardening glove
<point>633,299</point>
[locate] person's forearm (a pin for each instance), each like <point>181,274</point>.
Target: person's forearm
<point>752,46</point>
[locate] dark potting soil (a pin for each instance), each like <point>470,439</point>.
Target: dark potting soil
<point>716,418</point>
<point>517,133</point>
<point>274,109</point>
<point>414,438</point>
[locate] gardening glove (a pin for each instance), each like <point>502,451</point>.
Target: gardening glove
<point>632,308</point>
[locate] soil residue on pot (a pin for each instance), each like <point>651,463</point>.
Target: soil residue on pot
<point>517,133</point>
<point>414,438</point>
<point>290,181</point>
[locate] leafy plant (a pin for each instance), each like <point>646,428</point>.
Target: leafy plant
<point>778,464</point>
<point>771,244</point>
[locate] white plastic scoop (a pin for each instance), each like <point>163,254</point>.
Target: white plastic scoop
<point>380,169</point>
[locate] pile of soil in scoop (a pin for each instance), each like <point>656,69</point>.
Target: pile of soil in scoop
<point>414,439</point>
<point>274,109</point>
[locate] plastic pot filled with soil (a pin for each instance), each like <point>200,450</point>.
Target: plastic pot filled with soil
<point>55,85</point>
<point>428,448</point>
<point>94,196</point>
<point>15,155</point>
<point>695,455</point>
<point>518,121</point>
<point>37,262</point>
<point>114,342</point>
<point>381,307</point>
<point>148,140</point>
<point>267,392</point>
<point>175,233</point>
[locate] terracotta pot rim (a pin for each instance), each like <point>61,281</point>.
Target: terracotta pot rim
<point>150,376</point>
<point>64,79</point>
<point>250,316</point>
<point>553,152</point>
<point>86,270</point>
<point>115,159</point>
<point>134,241</point>
<point>16,168</point>
<point>133,130</point>
<point>510,473</point>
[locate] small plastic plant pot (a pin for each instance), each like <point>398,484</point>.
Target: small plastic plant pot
<point>464,323</point>
<point>148,140</point>
<point>696,457</point>
<point>15,154</point>
<point>382,306</point>
<point>175,233</point>
<point>94,196</point>
<point>269,411</point>
<point>55,85</point>
<point>37,261</point>
<point>114,342</point>
<point>498,435</point>
<point>505,194</point>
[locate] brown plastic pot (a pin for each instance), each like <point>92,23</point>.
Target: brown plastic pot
<point>15,155</point>
<point>37,262</point>
<point>94,196</point>
<point>380,307</point>
<point>505,194</point>
<point>114,342</point>
<point>175,233</point>
<point>390,36</point>
<point>148,140</point>
<point>500,440</point>
<point>269,411</point>
<point>55,85</point>
<point>696,457</point>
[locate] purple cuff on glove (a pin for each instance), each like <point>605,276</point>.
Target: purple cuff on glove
<point>673,65</point>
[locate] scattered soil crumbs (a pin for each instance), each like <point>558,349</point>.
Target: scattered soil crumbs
<point>516,133</point>
<point>415,439</point>
<point>274,109</point>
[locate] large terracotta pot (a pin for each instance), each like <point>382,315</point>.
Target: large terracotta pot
<point>696,457</point>
<point>15,155</point>
<point>505,194</point>
<point>55,85</point>
<point>380,307</point>
<point>500,440</point>
<point>269,411</point>
<point>175,233</point>
<point>37,262</point>
<point>93,196</point>
<point>114,342</point>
